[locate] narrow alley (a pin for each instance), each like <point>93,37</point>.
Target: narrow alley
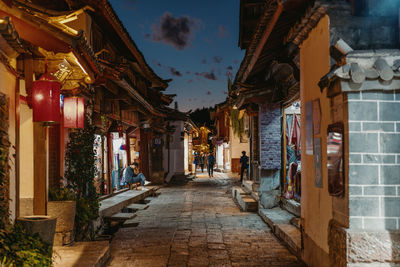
<point>198,224</point>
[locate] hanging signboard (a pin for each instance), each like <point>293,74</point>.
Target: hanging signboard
<point>316,116</point>
<point>309,128</point>
<point>317,163</point>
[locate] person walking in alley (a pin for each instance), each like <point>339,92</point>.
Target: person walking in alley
<point>244,161</point>
<point>201,162</point>
<point>210,165</point>
<point>196,163</point>
<point>132,175</point>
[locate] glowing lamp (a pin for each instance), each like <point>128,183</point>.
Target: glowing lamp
<point>46,99</point>
<point>74,112</point>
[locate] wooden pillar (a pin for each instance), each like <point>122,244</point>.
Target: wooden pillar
<point>110,163</point>
<point>54,156</point>
<point>144,153</point>
<point>39,149</point>
<point>128,148</point>
<point>39,174</point>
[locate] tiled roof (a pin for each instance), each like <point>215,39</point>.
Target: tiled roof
<point>302,29</point>
<point>269,11</point>
<point>366,70</point>
<point>9,34</point>
<point>84,44</point>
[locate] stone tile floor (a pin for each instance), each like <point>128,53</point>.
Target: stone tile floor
<point>198,225</point>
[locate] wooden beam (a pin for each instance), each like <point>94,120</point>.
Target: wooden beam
<point>28,74</point>
<point>263,41</point>
<point>111,87</point>
<point>121,98</point>
<point>130,108</point>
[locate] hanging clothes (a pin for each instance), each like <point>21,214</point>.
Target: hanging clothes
<point>290,181</point>
<point>294,134</point>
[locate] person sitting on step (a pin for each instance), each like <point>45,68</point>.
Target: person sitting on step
<point>132,175</point>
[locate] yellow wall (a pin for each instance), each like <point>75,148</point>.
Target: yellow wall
<point>236,147</point>
<point>26,156</point>
<point>7,86</point>
<point>316,204</point>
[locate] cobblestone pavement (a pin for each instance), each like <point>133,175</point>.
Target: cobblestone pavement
<point>198,225</point>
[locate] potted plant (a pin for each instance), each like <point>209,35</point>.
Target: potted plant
<point>62,205</point>
<point>42,225</point>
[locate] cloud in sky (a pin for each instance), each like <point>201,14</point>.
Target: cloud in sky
<point>175,72</point>
<point>222,31</point>
<point>174,31</point>
<point>217,59</point>
<point>208,75</point>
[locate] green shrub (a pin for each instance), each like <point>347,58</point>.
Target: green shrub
<point>61,194</point>
<point>80,173</point>
<point>18,248</point>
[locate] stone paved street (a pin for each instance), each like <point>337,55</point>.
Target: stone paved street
<point>198,225</point>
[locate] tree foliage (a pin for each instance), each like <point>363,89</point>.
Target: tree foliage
<point>80,173</point>
<point>237,124</point>
<point>4,166</point>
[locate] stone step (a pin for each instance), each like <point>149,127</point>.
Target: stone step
<point>291,235</point>
<point>116,203</point>
<point>275,216</point>
<point>280,222</point>
<point>136,206</point>
<point>121,217</point>
<point>295,222</point>
<point>291,206</point>
<point>246,202</point>
<point>130,223</point>
<point>149,199</point>
<point>96,254</point>
<point>251,188</point>
<point>238,191</point>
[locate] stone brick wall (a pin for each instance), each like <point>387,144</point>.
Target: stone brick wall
<point>374,160</point>
<point>270,136</point>
<point>366,32</point>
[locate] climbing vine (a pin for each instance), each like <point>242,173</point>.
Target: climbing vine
<point>4,166</point>
<point>236,123</point>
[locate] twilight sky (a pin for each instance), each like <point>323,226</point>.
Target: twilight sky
<point>193,42</point>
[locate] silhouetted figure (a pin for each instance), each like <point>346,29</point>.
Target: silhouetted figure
<point>244,161</point>
<point>210,165</point>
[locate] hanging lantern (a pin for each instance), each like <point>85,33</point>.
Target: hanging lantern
<point>46,99</point>
<point>74,112</point>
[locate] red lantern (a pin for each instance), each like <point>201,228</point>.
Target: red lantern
<point>46,99</point>
<point>74,112</point>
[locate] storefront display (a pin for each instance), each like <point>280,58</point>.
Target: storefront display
<point>292,181</point>
<point>119,158</point>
